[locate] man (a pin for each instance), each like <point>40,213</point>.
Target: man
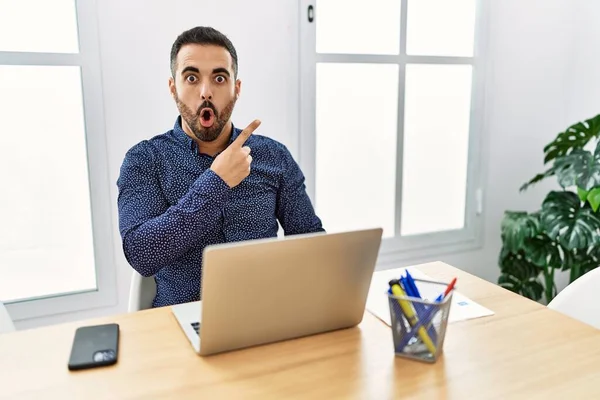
<point>205,181</point>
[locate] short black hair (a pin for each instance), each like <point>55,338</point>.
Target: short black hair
<point>203,35</point>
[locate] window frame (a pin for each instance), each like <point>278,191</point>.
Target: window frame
<point>402,248</point>
<point>88,59</point>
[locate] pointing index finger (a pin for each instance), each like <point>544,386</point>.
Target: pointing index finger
<point>245,134</point>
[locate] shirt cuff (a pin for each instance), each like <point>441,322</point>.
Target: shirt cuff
<point>212,186</point>
<point>208,188</point>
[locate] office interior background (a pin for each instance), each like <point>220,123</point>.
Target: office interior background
<point>438,199</point>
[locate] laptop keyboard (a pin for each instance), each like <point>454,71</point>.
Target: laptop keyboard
<point>196,326</point>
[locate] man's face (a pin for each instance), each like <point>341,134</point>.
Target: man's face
<point>204,89</point>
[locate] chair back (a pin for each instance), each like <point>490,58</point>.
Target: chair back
<point>142,291</point>
<point>579,299</point>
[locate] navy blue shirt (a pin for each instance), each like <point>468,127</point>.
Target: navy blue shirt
<point>172,205</point>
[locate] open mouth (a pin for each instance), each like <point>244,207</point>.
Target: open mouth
<point>207,117</point>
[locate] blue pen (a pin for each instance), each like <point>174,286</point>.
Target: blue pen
<point>411,289</point>
<point>407,286</point>
<point>421,309</point>
<point>411,282</point>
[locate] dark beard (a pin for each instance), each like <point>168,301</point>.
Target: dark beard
<point>193,119</point>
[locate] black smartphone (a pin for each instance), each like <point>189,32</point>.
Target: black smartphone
<point>94,346</point>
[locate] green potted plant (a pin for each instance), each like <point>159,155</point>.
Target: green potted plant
<point>565,233</point>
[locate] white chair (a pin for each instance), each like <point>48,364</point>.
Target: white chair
<point>579,299</point>
<point>142,291</point>
<point>6,323</point>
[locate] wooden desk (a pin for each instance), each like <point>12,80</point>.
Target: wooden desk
<point>524,351</point>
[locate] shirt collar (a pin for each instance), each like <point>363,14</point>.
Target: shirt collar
<point>235,132</point>
<point>182,136</point>
<point>189,143</point>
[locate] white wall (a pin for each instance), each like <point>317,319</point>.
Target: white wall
<point>541,79</point>
<point>584,95</point>
<point>531,45</point>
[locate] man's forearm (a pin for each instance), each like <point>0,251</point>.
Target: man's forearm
<point>161,240</point>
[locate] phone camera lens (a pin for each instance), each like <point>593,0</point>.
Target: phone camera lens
<point>104,355</point>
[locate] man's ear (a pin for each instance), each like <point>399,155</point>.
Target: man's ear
<point>238,88</point>
<point>172,88</point>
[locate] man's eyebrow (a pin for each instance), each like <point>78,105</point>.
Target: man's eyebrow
<point>221,70</point>
<point>192,69</point>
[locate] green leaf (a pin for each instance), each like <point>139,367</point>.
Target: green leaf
<point>519,275</point>
<point>593,198</point>
<point>570,258</point>
<point>542,251</point>
<point>581,262</point>
<point>531,289</point>
<point>516,227</point>
<point>566,222</point>
<point>537,178</point>
<point>575,137</point>
<point>583,194</point>
<point>588,265</point>
<point>580,168</point>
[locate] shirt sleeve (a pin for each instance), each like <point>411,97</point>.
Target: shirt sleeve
<point>154,233</point>
<point>294,209</point>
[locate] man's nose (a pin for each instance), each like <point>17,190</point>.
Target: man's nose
<point>206,92</point>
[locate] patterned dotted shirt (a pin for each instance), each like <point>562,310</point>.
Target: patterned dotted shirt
<point>172,205</point>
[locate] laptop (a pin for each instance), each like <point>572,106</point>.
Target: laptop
<point>268,290</point>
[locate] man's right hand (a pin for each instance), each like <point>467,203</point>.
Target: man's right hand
<point>233,164</point>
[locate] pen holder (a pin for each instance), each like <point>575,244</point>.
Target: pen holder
<point>419,324</point>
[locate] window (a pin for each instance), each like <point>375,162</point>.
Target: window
<point>55,235</point>
<point>391,119</point>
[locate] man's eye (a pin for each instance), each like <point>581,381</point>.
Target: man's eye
<point>191,79</point>
<point>220,79</point>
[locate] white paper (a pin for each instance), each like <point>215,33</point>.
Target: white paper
<point>462,307</point>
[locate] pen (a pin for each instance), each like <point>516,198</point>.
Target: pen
<point>411,282</point>
<point>407,287</point>
<point>448,289</point>
<point>410,315</point>
<point>410,287</point>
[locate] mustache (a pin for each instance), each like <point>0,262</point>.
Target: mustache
<point>206,104</point>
